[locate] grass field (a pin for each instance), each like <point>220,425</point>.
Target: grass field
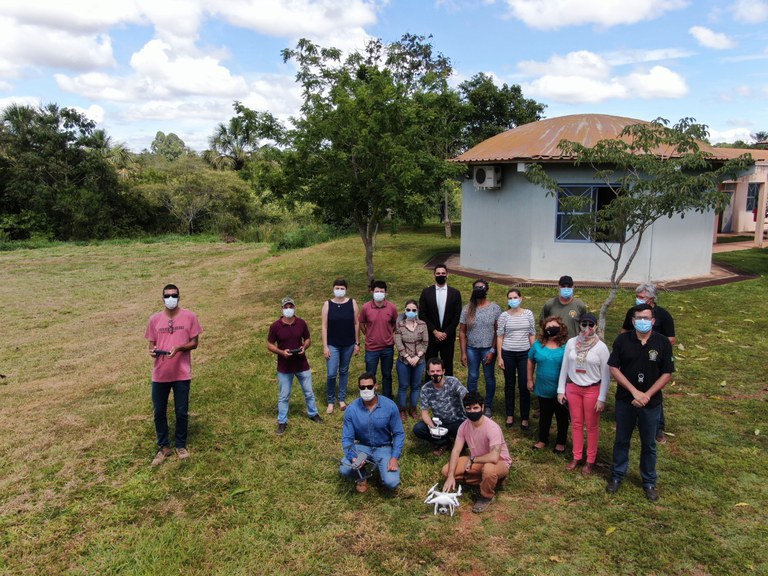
<point>77,495</point>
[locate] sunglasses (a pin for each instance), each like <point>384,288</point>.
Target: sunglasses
<point>166,296</point>
<point>411,310</point>
<point>366,386</point>
<point>170,326</point>
<point>587,324</point>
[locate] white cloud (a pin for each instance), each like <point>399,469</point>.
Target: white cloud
<point>750,11</point>
<point>732,135</point>
<point>78,17</point>
<point>553,14</point>
<point>586,77</point>
<point>640,56</point>
<point>93,112</point>
<point>711,39</point>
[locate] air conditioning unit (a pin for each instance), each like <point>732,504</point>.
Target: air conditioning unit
<point>486,177</point>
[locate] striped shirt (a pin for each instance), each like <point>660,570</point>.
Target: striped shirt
<point>516,330</point>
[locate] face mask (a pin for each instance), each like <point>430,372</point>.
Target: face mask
<point>566,293</point>
<point>441,280</point>
<point>411,315</point>
<point>474,416</point>
<point>171,303</point>
<point>479,293</point>
<point>367,395</point>
<point>340,292</point>
<point>289,312</point>
<point>639,301</point>
<point>514,302</point>
<point>551,331</point>
<point>643,325</point>
<point>436,378</point>
<point>379,296</point>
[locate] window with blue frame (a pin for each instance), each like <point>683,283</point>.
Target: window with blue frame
<point>753,190</point>
<point>595,197</point>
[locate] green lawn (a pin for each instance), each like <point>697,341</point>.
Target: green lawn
<point>77,495</point>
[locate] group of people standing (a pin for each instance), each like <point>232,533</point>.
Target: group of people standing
<point>561,359</point>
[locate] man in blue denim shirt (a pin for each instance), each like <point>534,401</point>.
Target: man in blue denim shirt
<point>372,431</point>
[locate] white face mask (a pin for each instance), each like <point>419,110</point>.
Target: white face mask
<point>339,292</point>
<point>171,303</point>
<point>289,312</point>
<point>367,395</point>
<point>379,296</point>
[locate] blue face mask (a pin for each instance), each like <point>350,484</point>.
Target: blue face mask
<point>411,315</point>
<point>639,301</point>
<point>643,325</point>
<point>566,293</point>
<point>514,302</point>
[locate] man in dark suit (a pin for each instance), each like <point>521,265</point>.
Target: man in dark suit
<point>440,308</point>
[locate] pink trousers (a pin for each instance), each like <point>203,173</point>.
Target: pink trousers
<point>581,405</point>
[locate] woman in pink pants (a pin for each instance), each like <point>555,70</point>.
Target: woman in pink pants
<point>584,379</point>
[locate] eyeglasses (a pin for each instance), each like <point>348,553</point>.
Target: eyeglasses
<point>587,324</point>
<point>411,310</point>
<point>170,326</point>
<point>166,296</point>
<point>366,386</point>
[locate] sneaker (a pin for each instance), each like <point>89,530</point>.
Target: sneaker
<point>161,456</point>
<point>651,493</point>
<point>481,504</point>
<point>316,418</point>
<point>661,438</point>
<point>329,410</point>
<point>613,486</point>
<point>587,469</point>
<point>403,416</point>
<point>182,453</point>
<point>281,426</point>
<point>361,486</point>
<point>488,412</point>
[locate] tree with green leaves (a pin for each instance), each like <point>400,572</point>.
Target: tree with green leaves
<point>249,135</point>
<point>170,146</point>
<point>652,171</point>
<point>490,109</point>
<point>370,143</point>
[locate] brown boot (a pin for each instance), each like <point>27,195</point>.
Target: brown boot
<point>573,464</point>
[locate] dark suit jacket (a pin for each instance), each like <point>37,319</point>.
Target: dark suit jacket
<point>429,313</point>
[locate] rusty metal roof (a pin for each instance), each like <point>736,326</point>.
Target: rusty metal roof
<point>538,141</point>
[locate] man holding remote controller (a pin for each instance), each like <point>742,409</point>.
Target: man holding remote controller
<point>172,334</point>
<point>289,338</point>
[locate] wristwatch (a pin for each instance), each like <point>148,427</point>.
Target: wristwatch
<point>471,460</point>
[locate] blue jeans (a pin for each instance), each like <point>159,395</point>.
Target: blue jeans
<point>647,421</point>
<point>160,393</point>
<point>338,363</point>
<point>380,456</point>
<point>387,358</point>
<point>474,359</point>
<point>286,383</point>
<point>409,376</point>
<point>516,374</point>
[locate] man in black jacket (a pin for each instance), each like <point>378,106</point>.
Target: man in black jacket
<point>440,308</point>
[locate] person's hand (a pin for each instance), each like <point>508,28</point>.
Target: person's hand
<point>152,352</point>
<point>413,360</point>
<point>463,359</point>
<point>440,336</point>
<point>641,397</point>
<point>357,349</point>
<point>561,399</point>
<point>326,352</point>
<point>393,465</point>
<point>450,483</point>
<point>172,352</point>
<point>501,362</point>
<point>287,353</point>
<point>599,406</point>
<point>530,385</point>
<point>488,358</point>
<point>468,467</point>
<point>359,461</point>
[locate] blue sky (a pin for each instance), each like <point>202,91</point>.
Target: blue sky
<point>139,66</point>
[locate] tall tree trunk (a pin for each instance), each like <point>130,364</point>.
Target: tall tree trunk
<point>447,216</point>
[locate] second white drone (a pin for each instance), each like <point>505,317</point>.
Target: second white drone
<point>445,502</point>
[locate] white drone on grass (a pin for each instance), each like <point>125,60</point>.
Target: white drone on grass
<point>445,502</point>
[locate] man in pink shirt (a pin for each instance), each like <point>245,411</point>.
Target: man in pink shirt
<point>488,462</point>
<point>377,321</point>
<point>172,335</point>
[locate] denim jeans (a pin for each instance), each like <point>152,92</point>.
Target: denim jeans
<point>647,421</point>
<point>409,377</point>
<point>381,455</point>
<point>286,383</point>
<point>475,358</point>
<point>338,363</point>
<point>160,393</point>
<point>387,357</point>
<point>516,375</point>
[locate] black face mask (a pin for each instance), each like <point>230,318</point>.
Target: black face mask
<point>436,378</point>
<point>551,331</point>
<point>474,416</point>
<point>441,279</point>
<point>479,293</point>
